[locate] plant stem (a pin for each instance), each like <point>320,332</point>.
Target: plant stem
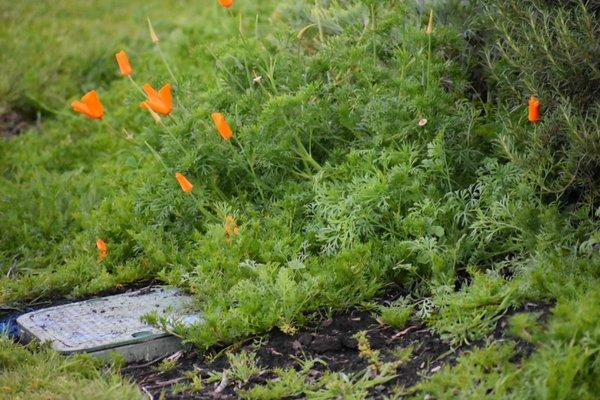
<point>203,209</point>
<point>172,135</point>
<point>305,155</point>
<point>136,85</point>
<point>156,155</point>
<point>251,166</point>
<point>164,60</point>
<point>428,62</point>
<point>114,131</point>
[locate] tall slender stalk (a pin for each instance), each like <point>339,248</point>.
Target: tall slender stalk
<point>136,85</point>
<point>164,60</point>
<point>252,171</point>
<point>429,32</point>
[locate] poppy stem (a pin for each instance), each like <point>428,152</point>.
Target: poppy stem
<point>240,27</point>
<point>136,85</point>
<point>203,209</point>
<point>164,60</point>
<point>251,166</point>
<point>176,121</point>
<point>428,61</point>
<point>172,135</point>
<point>180,104</point>
<point>156,155</point>
<point>112,128</point>
<point>320,29</point>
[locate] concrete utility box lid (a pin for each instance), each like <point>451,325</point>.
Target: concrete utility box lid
<point>112,323</point>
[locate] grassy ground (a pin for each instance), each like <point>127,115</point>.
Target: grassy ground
<point>336,182</point>
<point>53,50</point>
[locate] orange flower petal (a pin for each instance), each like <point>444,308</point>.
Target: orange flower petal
<point>102,249</point>
<point>124,64</point>
<point>155,116</point>
<point>149,90</point>
<point>165,95</point>
<point>80,107</point>
<point>226,3</point>
<point>92,100</point>
<point>161,101</point>
<point>534,109</point>
<point>222,126</point>
<point>186,185</point>
<point>89,105</point>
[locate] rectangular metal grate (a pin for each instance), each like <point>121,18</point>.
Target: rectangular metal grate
<point>111,322</point>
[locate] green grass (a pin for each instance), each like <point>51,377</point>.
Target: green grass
<point>37,373</point>
<point>53,50</point>
<point>336,188</point>
<point>396,316</point>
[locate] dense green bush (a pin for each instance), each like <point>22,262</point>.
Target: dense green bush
<point>549,50</point>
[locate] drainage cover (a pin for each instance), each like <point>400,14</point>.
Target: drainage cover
<point>114,323</point>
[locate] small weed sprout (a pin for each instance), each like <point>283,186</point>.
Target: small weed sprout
<point>179,388</point>
<point>214,376</point>
<point>242,365</point>
<point>403,354</point>
<point>288,328</point>
<point>166,365</point>
<point>195,385</point>
<point>366,352</point>
<point>396,316</point>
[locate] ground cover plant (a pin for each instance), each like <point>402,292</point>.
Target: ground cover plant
<point>316,153</point>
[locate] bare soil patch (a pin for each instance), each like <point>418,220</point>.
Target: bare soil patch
<point>330,340</point>
<point>14,122</point>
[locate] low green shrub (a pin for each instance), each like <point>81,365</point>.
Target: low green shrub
<point>549,50</point>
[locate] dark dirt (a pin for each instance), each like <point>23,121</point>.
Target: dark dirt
<point>524,349</point>
<point>331,341</point>
<point>13,123</point>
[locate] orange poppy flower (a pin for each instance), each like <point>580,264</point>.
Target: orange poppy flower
<point>102,249</point>
<point>89,105</point>
<point>222,126</point>
<point>534,109</point>
<point>161,101</point>
<point>226,3</point>
<point>124,64</point>
<point>186,185</point>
